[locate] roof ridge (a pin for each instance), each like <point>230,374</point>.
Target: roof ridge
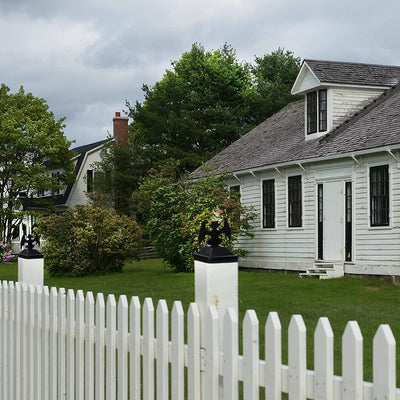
<point>350,62</point>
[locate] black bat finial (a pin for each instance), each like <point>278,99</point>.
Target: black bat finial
<point>214,233</point>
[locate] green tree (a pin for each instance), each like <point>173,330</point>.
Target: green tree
<point>173,210</point>
<point>88,240</point>
<point>274,75</point>
<point>31,143</point>
<point>198,108</point>
<point>117,176</point>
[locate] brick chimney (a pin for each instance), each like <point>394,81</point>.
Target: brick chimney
<point>120,128</point>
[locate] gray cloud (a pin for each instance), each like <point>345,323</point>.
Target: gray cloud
<point>87,57</point>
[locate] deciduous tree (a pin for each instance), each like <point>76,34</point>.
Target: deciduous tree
<point>32,142</point>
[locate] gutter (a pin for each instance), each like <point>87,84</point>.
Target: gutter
<point>352,155</point>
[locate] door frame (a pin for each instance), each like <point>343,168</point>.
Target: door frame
<point>347,188</point>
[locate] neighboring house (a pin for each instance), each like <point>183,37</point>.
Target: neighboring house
<point>323,174</point>
<point>77,193</point>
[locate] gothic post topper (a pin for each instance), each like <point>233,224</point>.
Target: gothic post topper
<point>214,233</point>
<point>214,253</point>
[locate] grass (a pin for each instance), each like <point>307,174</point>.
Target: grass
<point>371,302</point>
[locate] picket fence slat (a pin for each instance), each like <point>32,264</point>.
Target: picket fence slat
<point>17,337</point>
<point>177,351</point>
<point>384,364</point>
<point>250,356</point>
<point>193,353</point>
<point>123,325</point>
<point>148,349</point>
<point>70,346</point>
<point>352,362</point>
<point>31,342</point>
<point>45,335</point>
<point>134,348</point>
<point>297,358</point>
<point>5,356</point>
<point>61,344</point>
<point>89,346</point>
<point>100,346</point>
<point>230,359</point>
<point>55,345</point>
<point>211,375</point>
<point>80,346</point>
<point>111,347</point>
<point>323,360</point>
<point>162,350</point>
<point>273,357</point>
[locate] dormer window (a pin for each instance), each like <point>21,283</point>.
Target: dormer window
<point>316,111</point>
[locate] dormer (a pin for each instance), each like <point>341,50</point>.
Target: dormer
<point>334,91</point>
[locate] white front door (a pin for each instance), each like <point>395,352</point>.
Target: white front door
<point>333,221</point>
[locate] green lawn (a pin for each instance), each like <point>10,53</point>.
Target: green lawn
<point>369,301</point>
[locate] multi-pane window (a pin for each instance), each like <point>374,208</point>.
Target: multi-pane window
<point>89,180</point>
<point>268,203</point>
<point>322,110</point>
<point>317,111</point>
<point>379,195</point>
<point>312,112</point>
<point>294,201</point>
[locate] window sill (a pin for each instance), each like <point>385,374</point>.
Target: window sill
<point>316,135</point>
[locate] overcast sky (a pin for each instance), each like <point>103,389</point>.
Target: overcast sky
<point>87,57</point>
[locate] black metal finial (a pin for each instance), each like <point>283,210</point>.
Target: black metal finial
<point>214,233</point>
<point>29,251</point>
<point>30,241</point>
<point>213,253</point>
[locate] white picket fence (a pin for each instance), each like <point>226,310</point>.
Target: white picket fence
<point>58,345</point>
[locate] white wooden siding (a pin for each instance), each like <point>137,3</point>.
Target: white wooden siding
<point>375,250</point>
<point>347,101</point>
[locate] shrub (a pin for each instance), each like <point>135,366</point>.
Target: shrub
<point>173,210</point>
<point>88,240</point>
<point>5,253</point>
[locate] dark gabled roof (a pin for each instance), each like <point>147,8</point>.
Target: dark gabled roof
<point>61,199</point>
<point>355,73</point>
<point>87,147</point>
<point>280,139</point>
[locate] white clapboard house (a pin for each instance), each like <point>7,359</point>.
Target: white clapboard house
<point>323,174</point>
<point>77,193</point>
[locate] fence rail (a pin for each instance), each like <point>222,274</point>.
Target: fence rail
<point>61,345</point>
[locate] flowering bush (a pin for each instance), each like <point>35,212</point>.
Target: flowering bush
<point>5,252</point>
<point>87,240</point>
<point>174,209</point>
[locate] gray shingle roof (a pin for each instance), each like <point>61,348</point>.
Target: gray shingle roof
<point>355,73</point>
<point>280,139</point>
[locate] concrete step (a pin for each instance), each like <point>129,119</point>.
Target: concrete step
<point>324,271</point>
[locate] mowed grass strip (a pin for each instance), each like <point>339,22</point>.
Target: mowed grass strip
<point>371,302</point>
